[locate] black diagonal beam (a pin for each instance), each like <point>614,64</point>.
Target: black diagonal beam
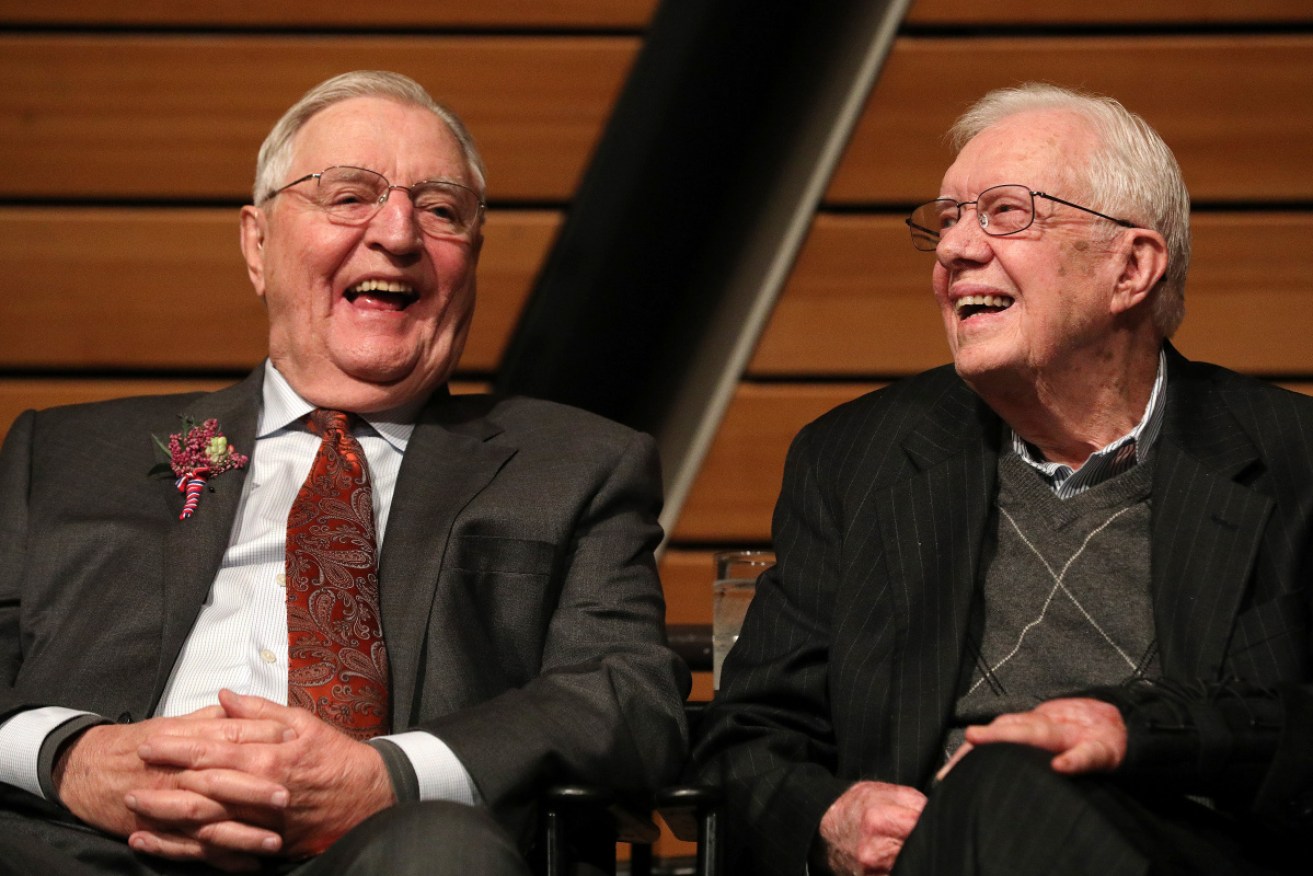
<point>692,210</point>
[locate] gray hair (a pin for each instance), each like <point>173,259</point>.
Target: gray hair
<point>275,156</point>
<point>1132,174</point>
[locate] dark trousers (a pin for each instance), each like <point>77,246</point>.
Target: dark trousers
<point>415,839</point>
<point>1003,811</point>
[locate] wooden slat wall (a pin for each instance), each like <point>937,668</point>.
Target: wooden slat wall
<point>1226,84</point>
<point>129,133</point>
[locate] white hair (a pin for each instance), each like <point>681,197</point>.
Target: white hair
<point>275,156</point>
<point>1131,174</point>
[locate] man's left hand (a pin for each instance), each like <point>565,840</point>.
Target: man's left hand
<point>1086,735</point>
<point>333,783</point>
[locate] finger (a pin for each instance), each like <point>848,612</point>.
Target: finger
<point>229,845</point>
<point>962,751</point>
<point>236,788</point>
<point>168,806</point>
<point>205,713</point>
<point>203,752</point>
<point>212,796</point>
<point>1025,729</point>
<point>237,705</point>
<point>1087,757</point>
<point>225,729</point>
<point>877,856</point>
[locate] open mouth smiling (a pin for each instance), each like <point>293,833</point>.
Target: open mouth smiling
<point>972,305</point>
<point>385,294</point>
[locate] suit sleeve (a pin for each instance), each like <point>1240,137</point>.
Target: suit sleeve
<point>607,706</point>
<point>14,485</point>
<point>1244,746</point>
<point>767,740</point>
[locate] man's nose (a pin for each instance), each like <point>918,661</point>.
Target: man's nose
<point>964,240</point>
<point>395,226</point>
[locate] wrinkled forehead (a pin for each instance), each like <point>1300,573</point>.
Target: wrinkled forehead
<point>1046,150</point>
<point>402,141</point>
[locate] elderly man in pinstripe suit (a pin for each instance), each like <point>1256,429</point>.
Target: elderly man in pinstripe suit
<point>1044,611</point>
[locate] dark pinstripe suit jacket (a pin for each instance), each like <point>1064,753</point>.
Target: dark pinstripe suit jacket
<point>848,666</point>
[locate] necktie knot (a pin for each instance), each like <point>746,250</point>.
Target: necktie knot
<point>324,422</point>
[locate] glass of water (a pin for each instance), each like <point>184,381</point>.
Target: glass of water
<point>735,585</point>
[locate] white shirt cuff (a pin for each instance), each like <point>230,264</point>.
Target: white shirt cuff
<point>20,744</point>
<point>440,773</point>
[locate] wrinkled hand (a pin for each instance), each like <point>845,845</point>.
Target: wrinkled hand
<point>98,775</point>
<point>1086,735</point>
<point>332,783</point>
<point>865,828</point>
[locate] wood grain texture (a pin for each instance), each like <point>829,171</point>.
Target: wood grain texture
<point>1250,142</point>
<point>736,488</point>
<point>181,117</point>
<point>315,14</point>
<point>160,288</point>
<point>1107,12</point>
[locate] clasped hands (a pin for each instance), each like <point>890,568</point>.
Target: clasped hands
<point>865,828</point>
<point>228,784</point>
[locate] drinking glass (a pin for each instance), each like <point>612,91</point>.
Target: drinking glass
<point>734,587</point>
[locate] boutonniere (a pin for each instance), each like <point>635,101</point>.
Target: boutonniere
<point>196,454</point>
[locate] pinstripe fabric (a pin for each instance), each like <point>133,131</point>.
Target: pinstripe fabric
<point>849,659</point>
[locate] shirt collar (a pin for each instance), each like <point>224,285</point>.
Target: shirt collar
<point>283,408</point>
<point>1142,438</point>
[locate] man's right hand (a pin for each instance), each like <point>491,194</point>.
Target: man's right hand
<point>96,773</point>
<point>865,828</point>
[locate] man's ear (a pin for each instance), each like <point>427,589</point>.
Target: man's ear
<point>1145,262</point>
<point>254,229</point>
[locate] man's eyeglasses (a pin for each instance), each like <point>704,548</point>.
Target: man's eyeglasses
<point>354,195</point>
<point>1000,210</point>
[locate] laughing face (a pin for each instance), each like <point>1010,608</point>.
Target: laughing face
<point>366,317</point>
<point>1039,301</point>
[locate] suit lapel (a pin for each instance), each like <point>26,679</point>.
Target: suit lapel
<point>1206,527</point>
<point>449,460</point>
<point>193,548</point>
<point>932,527</point>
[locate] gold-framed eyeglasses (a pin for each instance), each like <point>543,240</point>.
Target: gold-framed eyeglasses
<point>354,195</point>
<point>1000,210</point>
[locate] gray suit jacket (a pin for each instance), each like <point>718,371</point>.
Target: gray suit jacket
<point>520,600</point>
<point>848,666</point>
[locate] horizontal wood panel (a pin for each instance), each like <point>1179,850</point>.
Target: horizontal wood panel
<point>734,495</point>
<point>158,288</point>
<point>314,14</point>
<point>735,491</point>
<point>18,394</point>
<point>859,301</point>
<point>182,116</point>
<point>1109,12</point>
<point>318,15</point>
<point>686,577</point>
<point>1231,107</point>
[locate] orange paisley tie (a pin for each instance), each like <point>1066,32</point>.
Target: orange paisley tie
<point>337,662</point>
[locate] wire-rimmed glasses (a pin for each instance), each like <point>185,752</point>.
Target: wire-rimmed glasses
<point>1001,210</point>
<point>354,195</point>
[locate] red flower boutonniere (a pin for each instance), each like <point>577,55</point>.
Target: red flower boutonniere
<point>196,454</point>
